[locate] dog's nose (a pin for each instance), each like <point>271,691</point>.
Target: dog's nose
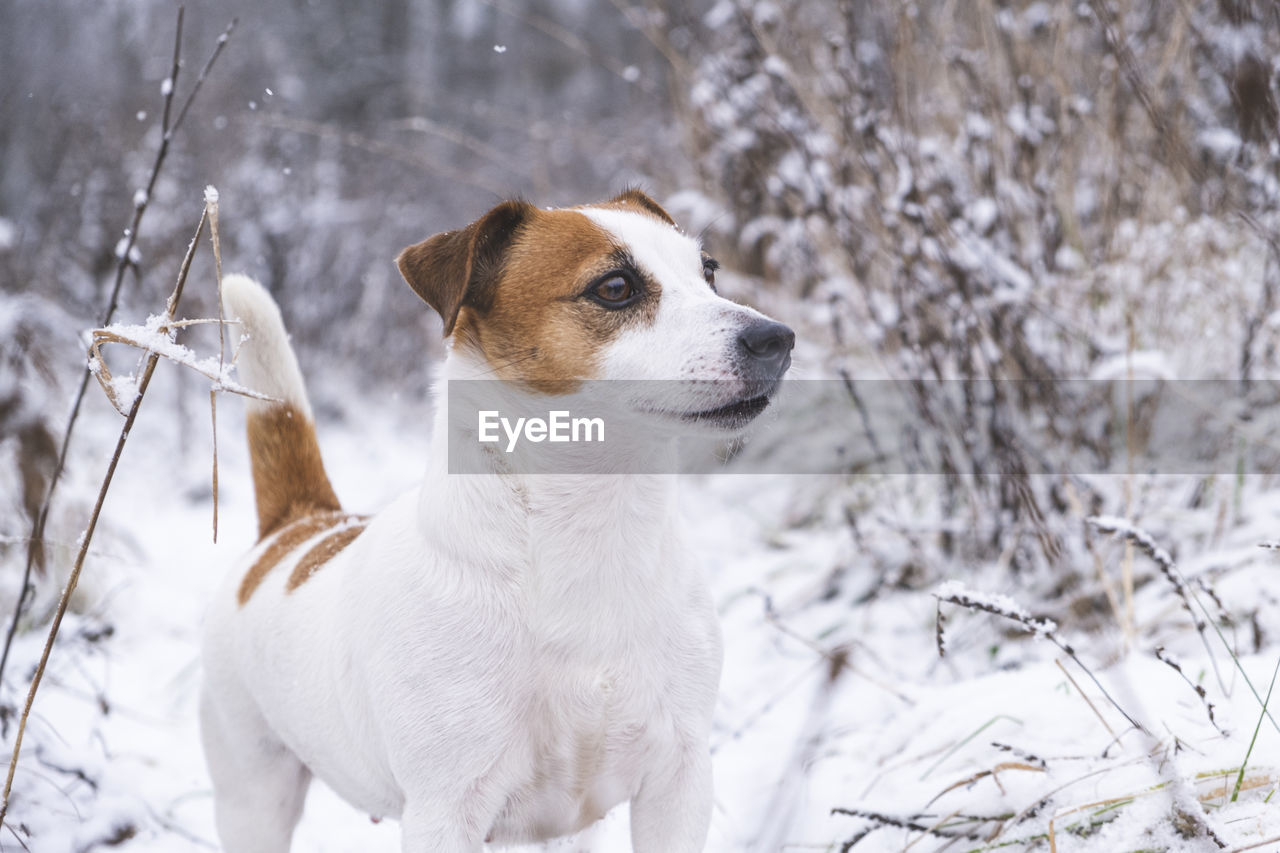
<point>766,346</point>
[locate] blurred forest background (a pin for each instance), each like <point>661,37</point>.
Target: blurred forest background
<point>995,189</point>
<point>1012,189</point>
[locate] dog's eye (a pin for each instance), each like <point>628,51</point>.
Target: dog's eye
<point>709,267</point>
<point>613,291</point>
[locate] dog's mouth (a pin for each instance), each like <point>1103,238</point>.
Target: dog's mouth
<point>735,415</point>
<point>732,416</point>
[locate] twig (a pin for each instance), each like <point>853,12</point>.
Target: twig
<point>18,838</point>
<point>1085,697</point>
<point>1198,688</point>
<point>152,360</point>
<point>124,253</point>
<point>1028,757</point>
<point>955,594</point>
<point>211,204</point>
<point>204,72</point>
<point>910,823</point>
<point>1169,568</point>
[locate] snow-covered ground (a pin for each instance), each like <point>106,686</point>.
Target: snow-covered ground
<point>834,696</point>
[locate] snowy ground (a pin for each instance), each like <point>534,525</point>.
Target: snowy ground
<point>829,701</point>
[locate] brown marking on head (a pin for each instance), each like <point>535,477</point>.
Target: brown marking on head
<point>294,534</point>
<point>461,267</point>
<point>513,287</point>
<point>324,551</point>
<point>637,200</point>
<point>289,480</point>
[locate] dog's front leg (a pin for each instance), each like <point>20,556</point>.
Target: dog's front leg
<point>672,811</point>
<point>428,829</point>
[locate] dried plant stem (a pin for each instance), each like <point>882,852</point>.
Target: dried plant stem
<point>35,544</point>
<point>1042,629</point>
<point>211,205</point>
<point>87,537</point>
<point>911,823</point>
<point>1131,452</point>
<point>1169,569</point>
<point>1085,697</point>
<point>1199,690</point>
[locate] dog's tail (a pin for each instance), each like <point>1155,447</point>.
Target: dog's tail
<point>289,480</point>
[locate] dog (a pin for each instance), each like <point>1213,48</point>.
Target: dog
<point>504,658</point>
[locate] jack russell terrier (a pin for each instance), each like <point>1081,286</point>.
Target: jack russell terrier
<point>495,658</point>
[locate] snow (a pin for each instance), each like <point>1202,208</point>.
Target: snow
<point>126,245</point>
<point>166,86</point>
<point>982,214</point>
<point>1138,364</point>
<point>156,336</point>
<point>955,591</point>
<point>879,676</point>
<point>1221,142</point>
<point>210,194</point>
<point>825,703</point>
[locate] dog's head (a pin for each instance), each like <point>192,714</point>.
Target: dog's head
<point>552,298</point>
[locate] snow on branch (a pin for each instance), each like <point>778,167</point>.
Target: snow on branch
<point>954,592</point>
<point>156,337</point>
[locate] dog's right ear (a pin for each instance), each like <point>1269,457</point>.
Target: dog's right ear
<point>462,267</point>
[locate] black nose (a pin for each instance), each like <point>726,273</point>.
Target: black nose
<point>765,346</point>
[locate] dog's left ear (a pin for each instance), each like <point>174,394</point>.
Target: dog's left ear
<point>633,197</point>
<point>461,267</point>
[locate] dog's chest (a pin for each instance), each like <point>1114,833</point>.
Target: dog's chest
<point>593,731</point>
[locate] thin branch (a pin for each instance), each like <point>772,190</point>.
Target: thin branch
<point>1164,658</point>
<point>211,204</point>
<point>955,594</point>
<point>124,253</point>
<point>1143,540</point>
<point>204,73</point>
<point>152,360</point>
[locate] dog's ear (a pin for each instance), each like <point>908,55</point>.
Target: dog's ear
<point>461,267</point>
<point>634,197</point>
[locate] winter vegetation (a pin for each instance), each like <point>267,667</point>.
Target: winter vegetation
<point>975,656</point>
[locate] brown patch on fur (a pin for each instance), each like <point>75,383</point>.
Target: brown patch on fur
<point>638,201</point>
<point>294,534</point>
<point>325,550</point>
<point>539,328</point>
<point>289,480</point>
<point>462,267</point>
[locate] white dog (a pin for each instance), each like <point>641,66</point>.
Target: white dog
<point>496,658</point>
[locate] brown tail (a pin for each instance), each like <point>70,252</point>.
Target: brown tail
<point>289,480</point>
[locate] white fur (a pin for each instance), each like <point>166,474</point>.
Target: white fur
<point>496,657</point>
<point>264,360</point>
<point>694,331</point>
